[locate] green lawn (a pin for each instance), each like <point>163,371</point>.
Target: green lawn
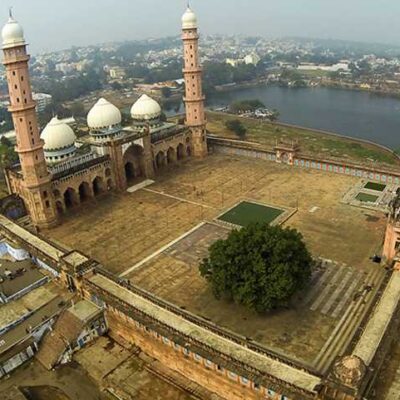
<point>366,198</point>
<point>379,187</point>
<point>311,142</point>
<point>246,213</point>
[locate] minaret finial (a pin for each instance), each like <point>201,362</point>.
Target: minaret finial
<point>10,12</point>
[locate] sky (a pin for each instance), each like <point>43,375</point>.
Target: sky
<point>59,24</point>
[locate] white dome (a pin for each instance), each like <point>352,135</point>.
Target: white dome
<point>57,135</point>
<point>189,19</point>
<point>12,34</point>
<point>145,108</point>
<point>103,115</point>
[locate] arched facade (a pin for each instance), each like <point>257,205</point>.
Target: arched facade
<point>75,189</point>
<point>134,163</point>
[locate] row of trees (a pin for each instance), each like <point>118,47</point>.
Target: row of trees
<point>7,124</point>
<point>72,88</point>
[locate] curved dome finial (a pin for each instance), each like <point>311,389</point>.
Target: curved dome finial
<point>189,19</point>
<point>12,33</point>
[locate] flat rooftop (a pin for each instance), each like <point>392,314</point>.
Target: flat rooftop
<point>84,310</point>
<point>21,331</point>
<point>18,275</point>
<point>37,298</point>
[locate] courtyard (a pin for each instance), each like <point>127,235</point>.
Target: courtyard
<point>156,237</point>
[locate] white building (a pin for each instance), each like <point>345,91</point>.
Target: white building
<point>42,101</point>
<point>252,59</point>
<point>117,73</point>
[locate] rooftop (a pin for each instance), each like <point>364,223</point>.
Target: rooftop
<point>16,276</point>
<point>84,310</point>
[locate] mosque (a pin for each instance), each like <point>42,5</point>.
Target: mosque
<point>58,171</point>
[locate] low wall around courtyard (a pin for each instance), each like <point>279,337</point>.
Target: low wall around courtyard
<point>253,150</point>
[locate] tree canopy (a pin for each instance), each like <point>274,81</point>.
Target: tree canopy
<point>259,266</point>
<point>236,126</point>
<point>245,105</point>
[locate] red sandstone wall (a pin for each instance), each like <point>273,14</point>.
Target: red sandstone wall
<point>198,370</point>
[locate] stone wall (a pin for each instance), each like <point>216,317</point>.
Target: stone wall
<point>226,146</point>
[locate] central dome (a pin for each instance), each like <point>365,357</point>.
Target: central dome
<point>103,115</point>
<point>57,135</point>
<point>12,34</point>
<point>145,109</point>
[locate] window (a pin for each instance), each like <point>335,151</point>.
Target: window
<point>22,78</point>
<point>33,141</point>
<point>17,99</point>
<point>232,375</point>
<point>13,73</point>
<point>47,204</point>
<point>197,357</point>
<point>15,87</point>
<point>244,380</point>
<point>45,192</point>
<point>20,120</point>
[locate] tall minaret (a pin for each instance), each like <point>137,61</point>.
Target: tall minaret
<point>192,72</point>
<point>36,180</point>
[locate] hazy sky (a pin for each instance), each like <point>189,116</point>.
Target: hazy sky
<point>57,24</point>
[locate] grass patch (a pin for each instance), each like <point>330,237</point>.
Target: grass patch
<point>366,198</point>
<point>311,142</point>
<point>379,187</point>
<point>246,213</point>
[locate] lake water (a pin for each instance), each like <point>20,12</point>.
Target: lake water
<point>351,113</point>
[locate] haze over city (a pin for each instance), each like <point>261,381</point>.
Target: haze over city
<point>52,25</point>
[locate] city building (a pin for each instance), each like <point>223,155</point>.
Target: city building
<point>57,171</point>
<point>42,101</point>
<point>117,73</point>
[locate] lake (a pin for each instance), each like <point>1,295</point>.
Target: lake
<point>351,113</point>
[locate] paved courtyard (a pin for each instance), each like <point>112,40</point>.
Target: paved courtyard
<point>144,237</point>
<point>122,229</point>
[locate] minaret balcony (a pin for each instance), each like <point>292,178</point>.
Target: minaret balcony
<point>15,59</point>
<point>22,107</point>
<point>193,70</point>
<point>194,99</point>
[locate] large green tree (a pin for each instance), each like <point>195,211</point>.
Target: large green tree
<point>259,266</point>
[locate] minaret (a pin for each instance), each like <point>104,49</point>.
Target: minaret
<point>36,180</point>
<point>192,72</point>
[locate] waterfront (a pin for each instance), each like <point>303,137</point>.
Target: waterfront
<point>352,113</point>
